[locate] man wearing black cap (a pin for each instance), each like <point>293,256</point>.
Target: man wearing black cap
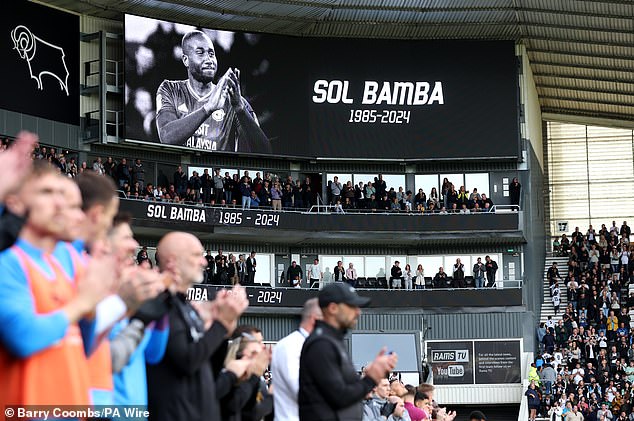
<point>477,416</point>
<point>329,386</point>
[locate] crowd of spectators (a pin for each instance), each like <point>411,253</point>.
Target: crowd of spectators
<point>211,188</point>
<point>376,196</point>
<point>586,366</point>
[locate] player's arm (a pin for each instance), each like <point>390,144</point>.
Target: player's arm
<point>251,136</point>
<point>173,130</point>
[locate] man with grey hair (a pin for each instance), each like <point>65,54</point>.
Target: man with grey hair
<point>285,364</point>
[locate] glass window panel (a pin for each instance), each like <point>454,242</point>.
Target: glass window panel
<point>328,264</point>
<point>456,179</point>
<point>479,181</point>
<point>263,272</point>
<point>358,263</point>
<point>374,266</point>
<point>426,182</point>
<point>391,180</point>
<point>430,264</point>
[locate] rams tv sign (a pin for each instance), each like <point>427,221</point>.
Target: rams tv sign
<point>475,362</point>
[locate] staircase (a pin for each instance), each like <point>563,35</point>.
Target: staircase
<point>547,305</point>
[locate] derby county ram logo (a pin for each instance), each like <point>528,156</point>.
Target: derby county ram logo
<point>43,58</point>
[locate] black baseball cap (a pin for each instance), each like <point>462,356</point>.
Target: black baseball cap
<point>341,293</point>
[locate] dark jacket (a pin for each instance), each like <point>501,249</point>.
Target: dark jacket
<point>182,385</point>
<point>329,386</point>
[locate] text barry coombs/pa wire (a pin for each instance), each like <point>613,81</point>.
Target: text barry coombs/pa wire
<point>76,412</point>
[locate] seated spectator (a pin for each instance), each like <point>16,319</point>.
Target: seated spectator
<point>440,278</point>
<point>255,200</point>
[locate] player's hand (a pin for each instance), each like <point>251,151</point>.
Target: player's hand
<point>138,285</point>
<point>233,89</point>
<point>218,96</point>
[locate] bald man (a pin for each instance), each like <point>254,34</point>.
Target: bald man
<point>201,115</point>
<point>183,385</point>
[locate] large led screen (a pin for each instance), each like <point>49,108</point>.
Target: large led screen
<point>219,91</point>
<point>40,61</point>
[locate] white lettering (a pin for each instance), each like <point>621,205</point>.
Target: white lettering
<point>420,96</point>
<point>320,89</point>
<point>436,94</point>
<point>369,92</point>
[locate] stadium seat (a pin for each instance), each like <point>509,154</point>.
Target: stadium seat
<point>429,284</point>
<point>362,282</point>
<point>382,283</point>
<point>469,281</point>
<point>371,283</point>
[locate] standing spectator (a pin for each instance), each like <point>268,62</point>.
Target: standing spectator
<point>276,196</point>
<point>209,270</point>
<point>458,274</point>
<point>229,186</point>
<point>329,387</point>
<point>408,277</point>
<point>245,192</point>
<point>534,401</point>
<point>315,274</point>
<point>556,300</point>
<point>335,190</point>
<point>251,268</point>
<point>195,185</point>
<point>396,275</point>
<point>218,186</point>
<point>491,269</point>
<point>515,189</point>
<point>285,363</point>
<point>123,173</point>
<point>242,268</point>
<point>180,181</point>
<point>339,272</point>
<point>553,274</point>
<point>207,183</point>
<point>294,275</point>
<point>420,277</point>
<point>478,273</point>
<point>625,230</point>
<point>380,186</point>
<point>351,275</point>
<point>97,166</point>
<point>138,173</point>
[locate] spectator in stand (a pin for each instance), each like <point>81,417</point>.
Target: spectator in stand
<point>245,192</point>
<point>218,183</point>
<point>294,275</point>
<point>180,181</point>
<point>138,173</point>
<point>315,274</point>
<point>408,277</point>
<point>440,279</point>
<point>458,274</point>
<point>396,276</point>
<point>123,173</point>
<point>420,277</point>
<point>276,196</point>
<point>479,271</point>
<point>351,275</point>
<point>380,186</point>
<point>491,269</point>
<point>515,189</point>
<point>335,190</point>
<point>553,274</point>
<point>206,184</point>
<point>625,230</point>
<point>534,400</point>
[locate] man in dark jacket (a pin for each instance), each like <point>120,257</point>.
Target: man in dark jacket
<point>491,268</point>
<point>329,386</point>
<point>183,385</point>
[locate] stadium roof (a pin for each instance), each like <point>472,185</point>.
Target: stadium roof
<point>581,52</point>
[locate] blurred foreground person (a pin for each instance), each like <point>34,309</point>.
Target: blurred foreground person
<point>42,352</point>
<point>329,386</point>
<point>285,364</point>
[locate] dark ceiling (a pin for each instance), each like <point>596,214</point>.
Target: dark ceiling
<point>581,52</point>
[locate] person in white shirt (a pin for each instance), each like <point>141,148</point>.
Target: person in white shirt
<point>351,275</point>
<point>315,274</point>
<point>285,364</point>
